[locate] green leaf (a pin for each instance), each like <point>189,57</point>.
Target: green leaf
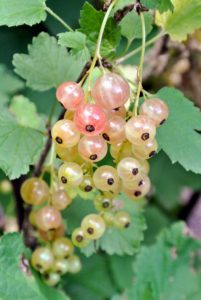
<point>121,242</point>
<point>177,137</point>
<point>161,5</point>
<point>19,105</point>
<point>131,26</point>
<point>164,270</point>
<point>185,19</point>
<point>47,65</point>
<point>15,282</point>
<point>77,42</point>
<point>168,188</point>
<point>24,145</point>
<point>90,23</point>
<point>19,12</point>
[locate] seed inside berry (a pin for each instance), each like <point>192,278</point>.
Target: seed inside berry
<point>135,171</point>
<point>79,238</point>
<point>90,230</point>
<point>110,181</point>
<point>151,154</point>
<point>106,204</point>
<point>137,193</point>
<point>127,225</point>
<point>38,266</point>
<point>88,188</point>
<point>162,122</point>
<point>106,137</point>
<point>145,136</point>
<point>64,180</point>
<point>90,128</point>
<point>116,109</point>
<point>140,183</point>
<point>93,157</point>
<point>59,140</point>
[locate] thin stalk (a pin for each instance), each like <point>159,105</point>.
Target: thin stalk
<point>60,20</point>
<point>136,51</point>
<point>140,68</point>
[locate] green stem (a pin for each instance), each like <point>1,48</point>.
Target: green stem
<point>140,68</point>
<point>136,51</point>
<point>51,164</point>
<point>51,113</point>
<point>60,20</point>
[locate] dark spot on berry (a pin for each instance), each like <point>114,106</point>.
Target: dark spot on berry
<point>90,230</point>
<point>127,225</point>
<point>116,109</point>
<point>137,193</point>
<point>110,181</point>
<point>90,128</point>
<point>106,137</point>
<point>106,204</point>
<point>152,153</point>
<point>66,257</point>
<point>162,122</point>
<point>59,272</point>
<point>46,276</point>
<point>51,230</point>
<point>140,183</point>
<point>88,188</point>
<point>93,157</point>
<point>79,238</point>
<point>64,180</point>
<point>59,140</point>
<point>135,171</point>
<point>39,267</point>
<point>145,136</point>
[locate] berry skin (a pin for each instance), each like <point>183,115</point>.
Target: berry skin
<point>64,133</point>
<point>156,110</point>
<point>109,218</point>
<point>52,234</point>
<point>129,169</point>
<point>92,148</point>
<point>60,199</point>
<point>106,179</point>
<point>137,191</point>
<point>146,150</point>
<point>70,174</point>
<point>93,226</point>
<point>115,130</point>
<point>62,248</point>
<point>67,154</point>
<point>103,203</point>
<point>74,264</point>
<point>87,184</point>
<point>79,239</point>
<point>51,278</point>
<point>42,259</point>
<point>48,218</point>
<point>90,119</point>
<point>118,111</point>
<point>140,130</point>
<point>60,266</point>
<point>70,95</point>
<point>122,219</point>
<point>34,191</point>
<point>110,91</point>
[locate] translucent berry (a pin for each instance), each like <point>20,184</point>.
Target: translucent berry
<point>51,278</point>
<point>90,119</point>
<point>118,111</point>
<point>87,185</point>
<point>62,247</point>
<point>79,239</point>
<point>145,151</point>
<point>74,263</point>
<point>129,169</point>
<point>110,91</point>
<point>106,178</point>
<point>34,191</point>
<point>32,218</point>
<point>109,218</point>
<point>60,266</point>
<point>70,174</point>
<point>67,154</point>
<point>122,219</point>
<point>93,226</point>
<point>48,218</point>
<point>156,110</point>
<point>70,95</point>
<point>60,199</point>
<point>137,191</point>
<point>92,148</point>
<point>42,259</point>
<point>51,235</point>
<point>65,133</point>
<point>115,130</point>
<point>103,203</point>
<point>140,130</point>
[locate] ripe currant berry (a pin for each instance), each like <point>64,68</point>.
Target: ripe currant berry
<point>140,130</point>
<point>90,119</point>
<point>42,259</point>
<point>74,264</point>
<point>70,174</point>
<point>87,184</point>
<point>137,191</point>
<point>146,150</point>
<point>106,179</point>
<point>60,266</point>
<point>115,130</point>
<point>48,218</point>
<point>93,226</point>
<point>70,95</point>
<point>118,111</point>
<point>110,91</point>
<point>34,191</point>
<point>51,278</point>
<point>60,199</point>
<point>51,235</point>
<point>156,110</point>
<point>62,247</point>
<point>129,169</point>
<point>65,134</point>
<point>92,148</point>
<point>122,219</point>
<point>79,239</point>
<point>103,203</point>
